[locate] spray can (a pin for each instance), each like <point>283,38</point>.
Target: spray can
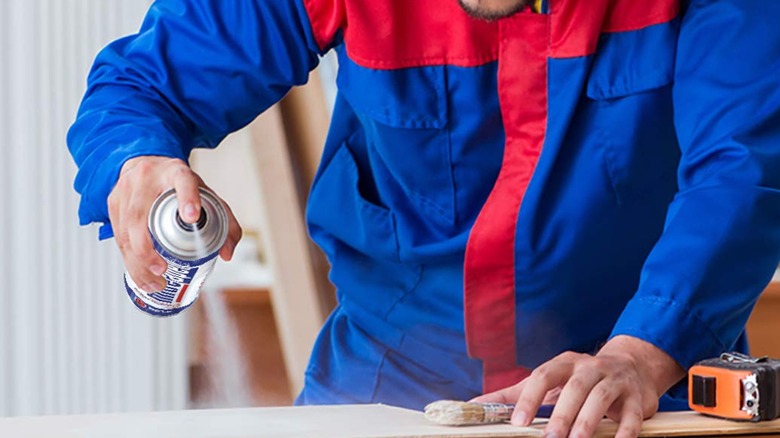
<point>190,250</point>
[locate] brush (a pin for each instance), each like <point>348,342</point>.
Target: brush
<point>459,413</point>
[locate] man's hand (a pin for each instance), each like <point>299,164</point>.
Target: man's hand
<point>623,381</point>
<point>141,181</point>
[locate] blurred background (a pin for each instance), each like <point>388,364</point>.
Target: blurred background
<point>70,340</point>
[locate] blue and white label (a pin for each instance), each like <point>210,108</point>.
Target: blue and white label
<point>184,280</point>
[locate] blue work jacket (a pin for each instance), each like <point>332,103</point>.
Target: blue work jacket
<point>491,194</point>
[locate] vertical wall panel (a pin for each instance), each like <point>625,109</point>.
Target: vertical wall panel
<point>5,292</point>
<point>61,227</point>
<point>70,341</point>
<point>45,115</point>
<point>24,190</point>
<point>74,263</point>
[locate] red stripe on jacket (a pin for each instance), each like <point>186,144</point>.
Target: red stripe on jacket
<point>489,296</point>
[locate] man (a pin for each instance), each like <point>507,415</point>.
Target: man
<point>585,189</point>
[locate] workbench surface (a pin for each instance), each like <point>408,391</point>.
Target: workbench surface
<point>365,421</point>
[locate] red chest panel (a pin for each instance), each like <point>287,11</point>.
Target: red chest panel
<point>389,34</point>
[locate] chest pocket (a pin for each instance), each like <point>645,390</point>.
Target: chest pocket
<point>405,119</point>
<point>630,83</point>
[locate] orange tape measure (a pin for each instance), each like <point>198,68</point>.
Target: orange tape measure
<point>736,386</point>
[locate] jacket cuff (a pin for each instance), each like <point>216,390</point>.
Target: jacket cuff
<point>671,326</point>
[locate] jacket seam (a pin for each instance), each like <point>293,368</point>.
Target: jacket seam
<point>422,61</point>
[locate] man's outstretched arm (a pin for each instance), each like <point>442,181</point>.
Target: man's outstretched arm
<point>196,71</point>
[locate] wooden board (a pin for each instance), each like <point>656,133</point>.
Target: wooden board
<point>364,421</point>
<point>294,292</point>
<point>672,424</point>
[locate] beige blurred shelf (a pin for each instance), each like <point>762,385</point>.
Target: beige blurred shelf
<point>764,325</point>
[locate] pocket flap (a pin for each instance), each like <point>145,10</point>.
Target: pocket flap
<point>633,62</point>
<point>404,98</point>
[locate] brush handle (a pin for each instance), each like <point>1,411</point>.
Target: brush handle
<point>497,412</point>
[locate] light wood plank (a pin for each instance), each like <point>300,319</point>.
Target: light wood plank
<point>366,421</point>
<point>294,292</point>
<point>306,120</point>
<point>672,424</point>
<point>347,421</point>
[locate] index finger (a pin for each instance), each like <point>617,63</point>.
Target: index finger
<point>507,395</point>
<point>186,184</point>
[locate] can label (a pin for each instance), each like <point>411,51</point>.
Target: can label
<point>184,280</point>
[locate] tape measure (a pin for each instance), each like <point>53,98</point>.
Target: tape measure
<point>736,386</point>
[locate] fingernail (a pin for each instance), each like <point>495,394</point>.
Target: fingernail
<point>157,269</point>
<point>550,435</point>
<point>149,287</point>
<point>519,419</point>
<point>189,212</point>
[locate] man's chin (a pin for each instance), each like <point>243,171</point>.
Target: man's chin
<point>491,10</point>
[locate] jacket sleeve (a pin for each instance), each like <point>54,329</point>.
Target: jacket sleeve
<point>196,71</point>
<point>721,241</point>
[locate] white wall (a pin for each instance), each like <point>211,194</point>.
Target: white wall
<point>70,340</point>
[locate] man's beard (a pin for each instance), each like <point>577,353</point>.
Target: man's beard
<point>484,13</point>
